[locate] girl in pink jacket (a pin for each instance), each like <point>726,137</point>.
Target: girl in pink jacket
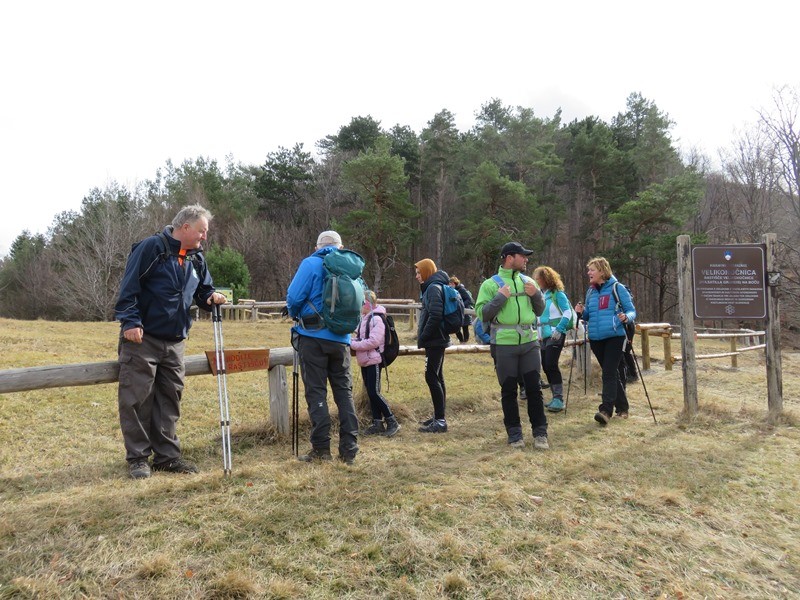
<point>368,354</point>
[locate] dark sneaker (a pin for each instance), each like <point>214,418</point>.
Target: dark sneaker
<point>545,386</point>
<point>176,465</point>
<point>523,395</point>
<point>602,417</point>
<point>139,469</point>
<point>376,428</point>
<point>392,427</point>
<point>540,442</point>
<point>427,422</point>
<point>434,427</point>
<point>316,454</point>
<point>347,459</point>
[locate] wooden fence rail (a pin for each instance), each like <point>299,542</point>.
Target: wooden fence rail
<point>34,378</point>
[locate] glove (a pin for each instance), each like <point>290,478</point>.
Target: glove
<point>285,312</point>
<point>555,335</point>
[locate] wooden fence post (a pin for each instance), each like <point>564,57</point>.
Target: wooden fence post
<point>734,357</point>
<point>667,351</point>
<point>279,399</point>
<point>645,349</point>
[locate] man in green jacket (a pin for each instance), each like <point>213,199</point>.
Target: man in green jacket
<point>511,302</point>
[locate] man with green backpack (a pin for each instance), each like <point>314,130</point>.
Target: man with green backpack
<point>325,299</point>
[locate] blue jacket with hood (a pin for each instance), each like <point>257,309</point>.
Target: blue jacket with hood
<point>601,310</point>
<point>307,286</point>
<point>156,291</point>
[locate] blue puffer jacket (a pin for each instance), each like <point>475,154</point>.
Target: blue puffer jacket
<point>156,291</point>
<point>307,286</point>
<point>601,310</point>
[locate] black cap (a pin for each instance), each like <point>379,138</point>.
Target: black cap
<point>514,248</point>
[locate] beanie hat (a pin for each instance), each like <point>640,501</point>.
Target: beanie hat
<point>426,268</point>
<point>329,238</point>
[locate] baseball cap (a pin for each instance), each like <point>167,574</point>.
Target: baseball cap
<point>329,238</point>
<point>514,248</point>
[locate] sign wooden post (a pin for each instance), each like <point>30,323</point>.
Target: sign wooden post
<point>686,303</point>
<point>734,281</point>
<point>773,330</point>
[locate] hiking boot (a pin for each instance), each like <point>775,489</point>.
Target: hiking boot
<point>435,426</point>
<point>602,417</point>
<point>348,459</point>
<point>540,442</point>
<point>523,395</point>
<point>392,427</point>
<point>316,454</point>
<point>555,405</point>
<point>139,469</point>
<point>623,414</point>
<point>176,465</point>
<point>520,443</point>
<point>376,428</point>
<point>427,422</point>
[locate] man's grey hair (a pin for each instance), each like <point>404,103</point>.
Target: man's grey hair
<point>190,214</point>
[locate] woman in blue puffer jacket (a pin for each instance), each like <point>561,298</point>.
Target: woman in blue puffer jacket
<point>605,319</point>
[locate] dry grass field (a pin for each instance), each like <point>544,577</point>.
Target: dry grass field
<point>706,508</point>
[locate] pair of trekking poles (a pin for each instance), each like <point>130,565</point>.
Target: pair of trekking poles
<point>222,389</point>
<point>586,371</point>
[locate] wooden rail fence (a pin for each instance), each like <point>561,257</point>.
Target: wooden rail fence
<point>33,378</point>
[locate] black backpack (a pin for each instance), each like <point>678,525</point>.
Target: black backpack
<point>391,344</point>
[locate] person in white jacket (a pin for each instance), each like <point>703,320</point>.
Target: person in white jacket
<point>368,345</point>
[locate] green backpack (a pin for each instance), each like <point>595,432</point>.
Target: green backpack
<point>343,292</point>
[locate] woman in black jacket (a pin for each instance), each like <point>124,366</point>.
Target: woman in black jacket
<point>432,337</point>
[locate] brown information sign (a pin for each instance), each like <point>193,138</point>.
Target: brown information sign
<point>729,282</point>
<point>239,361</point>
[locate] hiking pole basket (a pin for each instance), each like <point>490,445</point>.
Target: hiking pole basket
<point>222,389</point>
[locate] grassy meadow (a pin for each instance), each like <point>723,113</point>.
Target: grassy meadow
<point>706,508</point>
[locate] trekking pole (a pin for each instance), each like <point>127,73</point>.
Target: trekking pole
<point>295,404</point>
<point>222,389</point>
<point>585,361</point>
<point>641,378</point>
<point>571,364</point>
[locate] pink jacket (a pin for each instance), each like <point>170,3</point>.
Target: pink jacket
<point>368,350</point>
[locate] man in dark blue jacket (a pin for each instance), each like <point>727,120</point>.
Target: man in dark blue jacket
<point>164,274</point>
<point>324,357</point>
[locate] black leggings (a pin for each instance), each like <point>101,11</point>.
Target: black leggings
<point>434,377</point>
<point>372,382</point>
<point>551,352</point>
<point>609,353</point>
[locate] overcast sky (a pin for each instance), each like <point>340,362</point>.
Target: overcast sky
<point>94,92</point>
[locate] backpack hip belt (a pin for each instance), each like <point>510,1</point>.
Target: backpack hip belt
<point>518,327</point>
